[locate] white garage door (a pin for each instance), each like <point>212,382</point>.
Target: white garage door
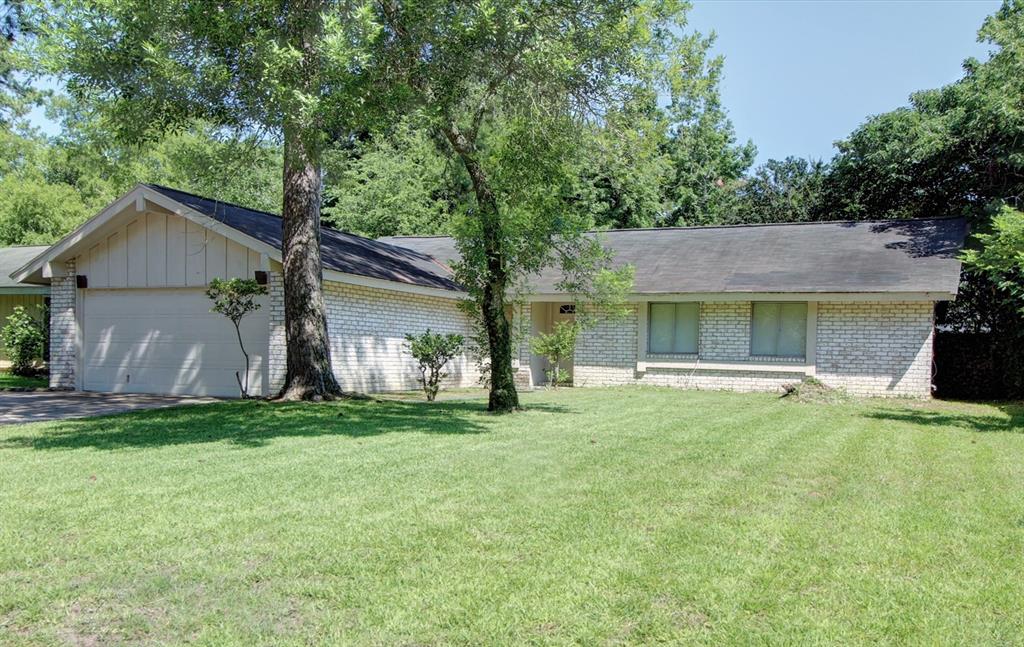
<point>168,342</point>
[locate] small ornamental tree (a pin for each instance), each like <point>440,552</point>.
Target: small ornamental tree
<point>556,346</point>
<point>23,339</point>
<point>235,298</point>
<point>433,351</point>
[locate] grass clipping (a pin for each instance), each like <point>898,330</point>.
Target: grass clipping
<point>814,391</point>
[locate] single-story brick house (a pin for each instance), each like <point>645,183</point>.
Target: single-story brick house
<point>14,294</point>
<point>746,307</point>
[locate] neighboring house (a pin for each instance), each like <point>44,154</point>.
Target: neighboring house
<point>14,294</point>
<point>746,308</point>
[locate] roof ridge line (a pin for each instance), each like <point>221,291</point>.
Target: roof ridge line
<point>732,226</point>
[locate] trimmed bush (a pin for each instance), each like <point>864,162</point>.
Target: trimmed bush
<point>433,351</point>
<point>23,338</point>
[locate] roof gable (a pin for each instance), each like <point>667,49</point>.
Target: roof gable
<point>340,251</point>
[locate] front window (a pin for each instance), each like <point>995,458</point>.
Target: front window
<point>778,329</point>
<point>672,328</point>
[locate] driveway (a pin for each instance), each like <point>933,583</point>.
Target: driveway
<point>16,408</point>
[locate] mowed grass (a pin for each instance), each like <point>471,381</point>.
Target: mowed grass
<point>9,380</point>
<point>594,517</point>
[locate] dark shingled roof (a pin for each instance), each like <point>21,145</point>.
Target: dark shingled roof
<point>884,256</point>
<point>12,259</point>
<point>341,251</point>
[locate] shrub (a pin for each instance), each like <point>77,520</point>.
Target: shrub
<point>556,346</point>
<point>433,351</point>
<point>235,298</point>
<point>23,338</point>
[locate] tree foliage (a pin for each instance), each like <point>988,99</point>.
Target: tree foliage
<point>999,256</point>
<point>394,183</point>
<point>708,164</point>
<point>511,87</point>
<point>788,190</point>
<point>953,151</point>
<point>253,68</point>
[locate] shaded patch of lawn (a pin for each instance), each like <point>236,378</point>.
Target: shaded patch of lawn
<point>596,516</point>
<point>8,381</point>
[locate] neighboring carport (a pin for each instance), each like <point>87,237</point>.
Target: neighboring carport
<point>14,294</point>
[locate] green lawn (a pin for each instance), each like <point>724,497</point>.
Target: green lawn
<point>8,380</point>
<point>597,516</point>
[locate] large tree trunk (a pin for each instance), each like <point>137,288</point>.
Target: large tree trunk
<point>503,397</point>
<point>309,375</point>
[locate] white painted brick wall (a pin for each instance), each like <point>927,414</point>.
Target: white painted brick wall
<point>867,348</point>
<point>277,358</point>
<point>725,330</point>
<point>63,329</point>
<point>367,328</point>
<point>876,348</point>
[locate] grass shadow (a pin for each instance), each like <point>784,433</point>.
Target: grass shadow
<point>1011,421</point>
<point>254,424</point>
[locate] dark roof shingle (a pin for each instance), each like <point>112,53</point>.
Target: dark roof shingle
<point>340,251</point>
<point>12,259</point>
<point>896,256</point>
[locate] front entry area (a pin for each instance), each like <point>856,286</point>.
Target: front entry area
<point>166,341</point>
<point>544,316</point>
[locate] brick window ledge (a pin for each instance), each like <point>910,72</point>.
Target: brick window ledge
<point>743,366</point>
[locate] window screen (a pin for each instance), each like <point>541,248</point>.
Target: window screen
<point>673,328</point>
<point>779,329</point>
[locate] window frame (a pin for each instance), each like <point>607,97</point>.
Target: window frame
<point>807,333</point>
<point>648,320</point>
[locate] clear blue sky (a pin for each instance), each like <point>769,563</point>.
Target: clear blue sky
<point>800,75</point>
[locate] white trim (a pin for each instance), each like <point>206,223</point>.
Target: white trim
<point>79,338</point>
<point>641,332</point>
<point>811,350</point>
<point>72,239</point>
<point>769,296</point>
<point>212,224</point>
<point>268,254</point>
<point>700,365</point>
<point>394,286</point>
<point>133,198</point>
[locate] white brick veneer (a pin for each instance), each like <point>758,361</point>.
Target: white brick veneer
<point>277,359</point>
<point>63,329</point>
<point>367,328</point>
<point>867,348</point>
<point>876,348</point>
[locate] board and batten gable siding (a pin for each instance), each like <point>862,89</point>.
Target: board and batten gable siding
<point>157,250</point>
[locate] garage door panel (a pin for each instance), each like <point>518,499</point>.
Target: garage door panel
<point>167,341</point>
